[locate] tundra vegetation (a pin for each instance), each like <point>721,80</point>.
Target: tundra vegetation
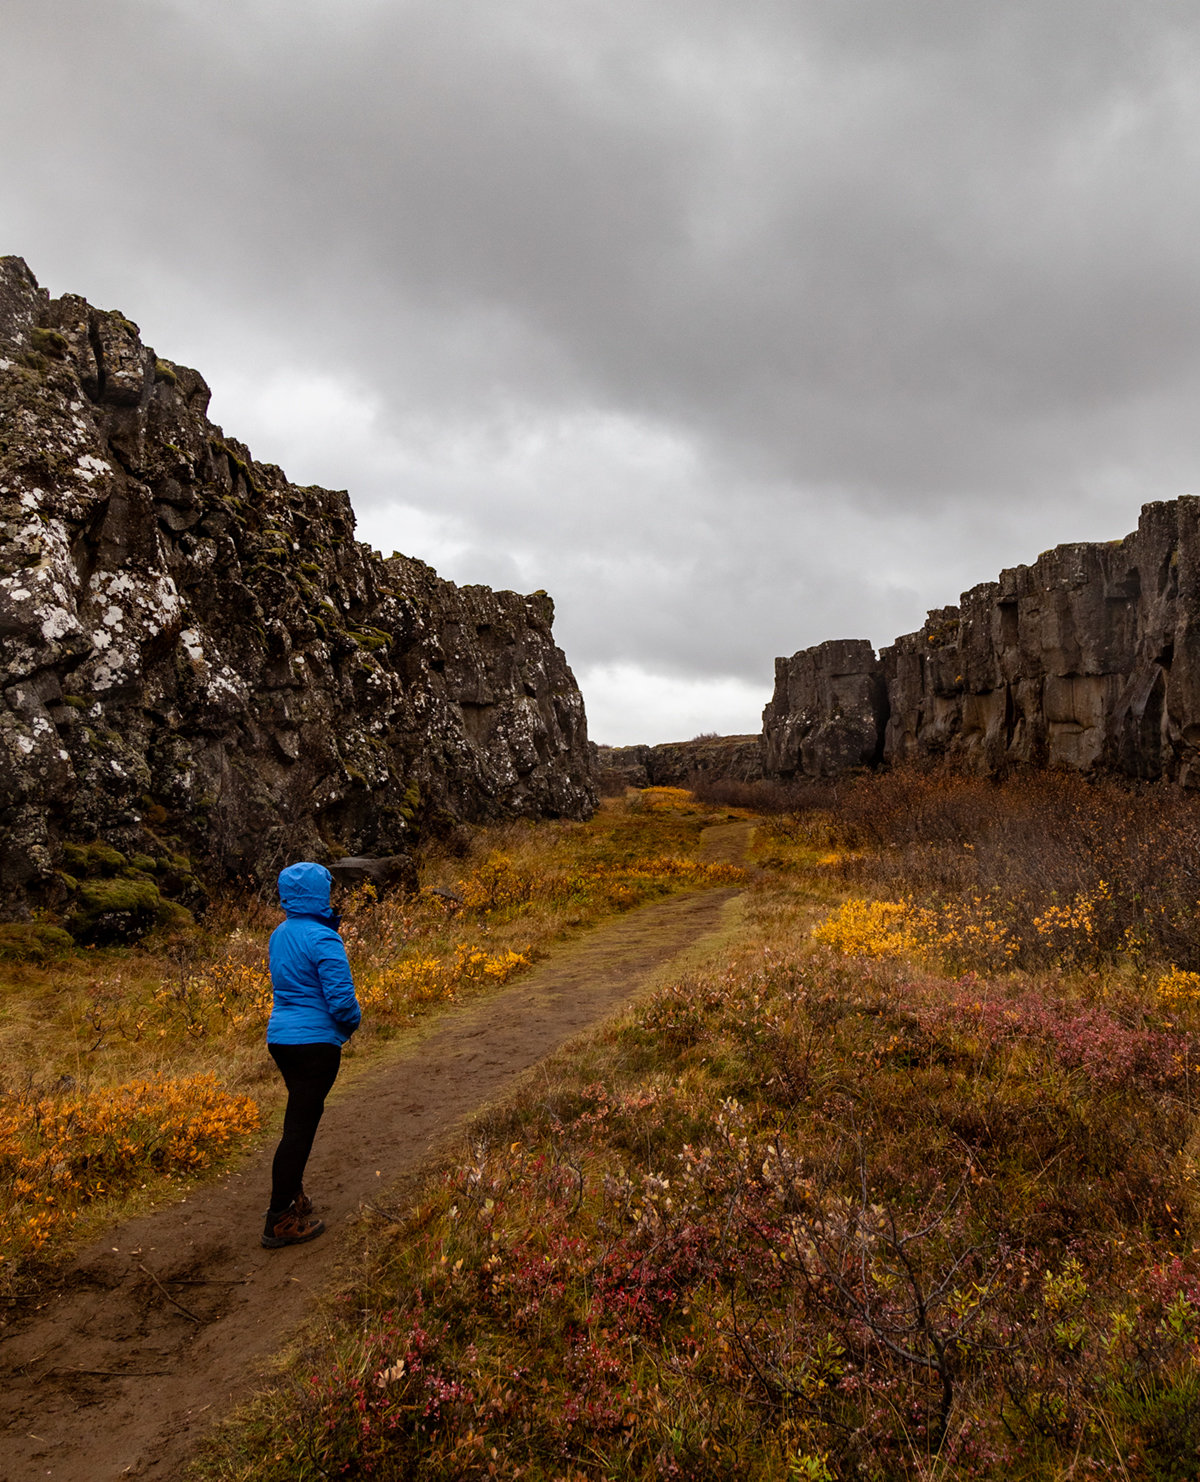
<point>900,1180</point>
<point>127,1069</point>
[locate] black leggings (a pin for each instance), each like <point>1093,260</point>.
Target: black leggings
<point>308,1072</point>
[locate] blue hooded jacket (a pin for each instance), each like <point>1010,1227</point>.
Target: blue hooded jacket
<point>314,1000</point>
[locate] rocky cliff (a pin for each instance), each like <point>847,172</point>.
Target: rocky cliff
<point>828,711</point>
<point>676,763</point>
<point>1087,659</point>
<point>202,670</point>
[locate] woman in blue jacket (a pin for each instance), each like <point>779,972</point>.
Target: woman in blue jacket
<point>313,1014</point>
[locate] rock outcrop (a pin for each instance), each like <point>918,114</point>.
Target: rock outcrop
<point>202,671</point>
<point>676,763</point>
<point>828,711</point>
<point>395,872</point>
<point>1087,659</point>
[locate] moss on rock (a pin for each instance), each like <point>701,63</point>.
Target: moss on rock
<point>33,941</point>
<point>411,802</point>
<point>121,910</point>
<point>97,858</point>
<point>202,619</point>
<point>50,342</point>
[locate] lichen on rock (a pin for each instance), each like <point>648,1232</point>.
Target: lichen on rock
<point>200,660</point>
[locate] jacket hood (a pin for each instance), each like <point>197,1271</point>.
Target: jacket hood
<point>304,889</point>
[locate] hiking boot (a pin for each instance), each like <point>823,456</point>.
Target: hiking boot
<point>291,1227</point>
<point>302,1204</point>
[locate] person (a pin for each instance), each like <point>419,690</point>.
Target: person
<point>314,1012</point>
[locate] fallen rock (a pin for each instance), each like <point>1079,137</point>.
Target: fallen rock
<point>395,872</point>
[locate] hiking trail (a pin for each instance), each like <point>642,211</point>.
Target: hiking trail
<point>165,1324</point>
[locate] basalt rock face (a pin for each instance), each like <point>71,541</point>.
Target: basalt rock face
<point>1087,659</point>
<point>676,763</point>
<point>199,663</point>
<point>618,767</point>
<point>828,711</point>
<point>732,758</point>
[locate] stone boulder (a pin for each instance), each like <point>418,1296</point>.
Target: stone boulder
<point>395,872</point>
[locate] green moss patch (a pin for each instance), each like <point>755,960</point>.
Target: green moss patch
<point>33,941</point>
<point>108,912</point>
<point>370,638</point>
<point>411,802</point>
<point>117,898</point>
<point>50,342</point>
<point>97,858</point>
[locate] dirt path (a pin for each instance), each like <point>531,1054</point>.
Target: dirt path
<point>164,1324</point>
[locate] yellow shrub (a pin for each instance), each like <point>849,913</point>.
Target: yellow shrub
<point>59,1153</point>
<point>224,995</point>
<point>862,928</point>
<point>968,933</point>
<point>1079,916</point>
<point>1177,989</point>
<point>423,978</point>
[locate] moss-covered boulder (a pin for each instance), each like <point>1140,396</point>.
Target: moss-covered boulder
<point>96,858</point>
<point>33,941</point>
<point>107,912</point>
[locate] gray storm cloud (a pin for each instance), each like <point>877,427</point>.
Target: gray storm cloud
<point>736,328</point>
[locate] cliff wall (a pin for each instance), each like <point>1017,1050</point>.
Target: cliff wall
<point>675,763</point>
<point>828,711</point>
<point>200,663</point>
<point>1088,659</point>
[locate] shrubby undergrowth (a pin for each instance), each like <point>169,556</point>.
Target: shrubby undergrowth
<point>61,1152</point>
<point>820,1210</point>
<point>1071,870</point>
<point>173,1029</point>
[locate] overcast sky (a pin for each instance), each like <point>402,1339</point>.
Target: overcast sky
<point>735,326</point>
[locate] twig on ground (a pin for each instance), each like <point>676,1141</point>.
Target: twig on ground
<point>173,1301</point>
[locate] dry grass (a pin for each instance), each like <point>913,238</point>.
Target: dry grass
<point>188,1011</point>
<point>805,1213</point>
